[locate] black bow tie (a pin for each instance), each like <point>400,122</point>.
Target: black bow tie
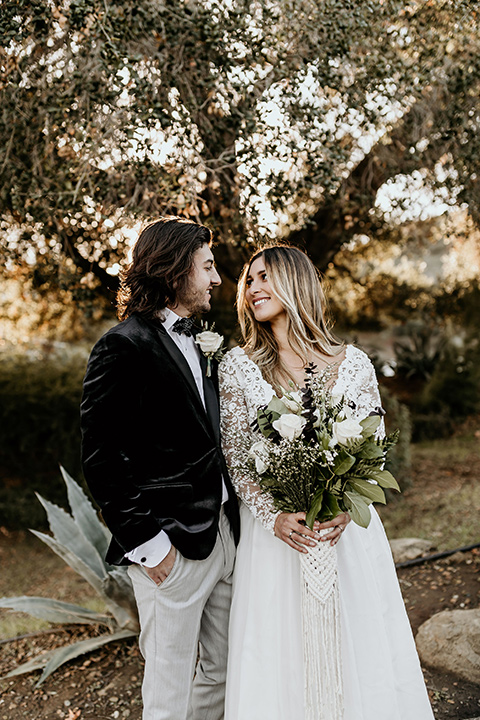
<point>183,326</point>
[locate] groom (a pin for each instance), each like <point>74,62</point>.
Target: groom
<point>152,459</point>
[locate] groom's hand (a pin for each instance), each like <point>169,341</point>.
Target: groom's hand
<point>160,572</point>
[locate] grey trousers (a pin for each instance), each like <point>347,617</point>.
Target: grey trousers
<point>185,615</point>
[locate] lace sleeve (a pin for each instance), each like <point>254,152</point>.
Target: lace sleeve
<point>237,439</point>
<point>361,386</point>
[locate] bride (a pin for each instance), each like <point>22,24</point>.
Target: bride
<point>281,312</point>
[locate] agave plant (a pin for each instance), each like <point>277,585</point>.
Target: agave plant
<point>81,540</point>
<point>418,354</point>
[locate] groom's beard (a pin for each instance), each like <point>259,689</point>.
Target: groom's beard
<point>196,301</point>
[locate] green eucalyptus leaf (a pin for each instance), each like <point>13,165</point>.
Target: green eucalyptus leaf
<point>324,440</point>
<point>343,462</point>
<point>331,503</point>
<point>370,451</point>
<point>358,508</point>
<point>385,479</point>
<point>374,493</point>
<point>314,509</point>
<point>370,425</point>
<point>277,406</point>
<point>265,429</point>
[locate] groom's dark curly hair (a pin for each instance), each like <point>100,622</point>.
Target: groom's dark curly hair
<point>162,260</point>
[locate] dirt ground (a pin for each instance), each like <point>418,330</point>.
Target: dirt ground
<point>451,583</point>
<point>107,683</point>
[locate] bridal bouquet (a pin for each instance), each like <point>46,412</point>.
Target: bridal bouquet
<point>316,456</point>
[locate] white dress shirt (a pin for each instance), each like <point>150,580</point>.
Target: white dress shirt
<point>153,551</point>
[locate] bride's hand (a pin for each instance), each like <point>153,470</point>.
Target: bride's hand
<point>293,532</point>
<point>338,525</point>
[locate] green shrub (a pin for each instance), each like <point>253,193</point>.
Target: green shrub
<point>40,396</point>
<point>451,394</point>
<point>419,351</point>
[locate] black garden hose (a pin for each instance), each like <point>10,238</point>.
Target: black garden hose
<point>435,556</point>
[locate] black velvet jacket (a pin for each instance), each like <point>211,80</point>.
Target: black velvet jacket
<point>151,453</point>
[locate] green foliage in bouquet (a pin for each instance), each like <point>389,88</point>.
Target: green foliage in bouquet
<point>315,456</point>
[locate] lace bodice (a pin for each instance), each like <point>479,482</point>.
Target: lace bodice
<point>243,390</point>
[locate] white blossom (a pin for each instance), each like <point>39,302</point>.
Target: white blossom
<point>293,401</point>
<point>259,453</point>
<point>209,342</point>
<point>289,426</point>
<point>347,431</point>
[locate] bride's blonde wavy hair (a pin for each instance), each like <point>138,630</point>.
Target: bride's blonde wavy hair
<point>296,284</point>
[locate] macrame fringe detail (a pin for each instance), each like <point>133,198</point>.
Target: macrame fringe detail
<point>321,634</point>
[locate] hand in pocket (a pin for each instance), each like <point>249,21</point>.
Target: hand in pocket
<point>160,572</point>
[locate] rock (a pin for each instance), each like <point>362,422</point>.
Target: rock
<point>450,641</point>
<point>404,549</point>
<point>457,558</point>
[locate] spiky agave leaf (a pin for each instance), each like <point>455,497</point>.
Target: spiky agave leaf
<point>85,515</point>
<point>101,585</point>
<point>56,611</point>
<point>52,660</point>
<point>68,534</point>
<point>72,559</point>
<point>117,587</point>
<point>81,541</point>
<point>69,652</point>
<point>78,540</point>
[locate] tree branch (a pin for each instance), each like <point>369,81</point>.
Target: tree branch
<point>347,212</point>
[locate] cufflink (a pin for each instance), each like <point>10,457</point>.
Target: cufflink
<point>143,559</point>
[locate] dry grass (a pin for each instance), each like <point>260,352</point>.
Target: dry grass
<point>444,501</point>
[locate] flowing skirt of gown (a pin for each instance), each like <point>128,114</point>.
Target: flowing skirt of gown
<point>382,676</point>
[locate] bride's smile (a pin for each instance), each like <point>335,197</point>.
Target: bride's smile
<point>263,303</point>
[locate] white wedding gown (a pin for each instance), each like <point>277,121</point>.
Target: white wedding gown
<point>382,677</point>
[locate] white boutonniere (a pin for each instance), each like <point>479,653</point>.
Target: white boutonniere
<point>211,345</point>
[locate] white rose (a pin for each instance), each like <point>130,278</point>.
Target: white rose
<point>346,431</point>
<point>289,426</point>
<point>293,401</point>
<point>209,341</point>
<point>258,452</point>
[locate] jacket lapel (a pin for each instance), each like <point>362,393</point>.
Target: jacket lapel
<point>179,360</point>
<point>211,401</point>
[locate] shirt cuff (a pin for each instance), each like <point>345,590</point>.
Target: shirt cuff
<point>152,552</point>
